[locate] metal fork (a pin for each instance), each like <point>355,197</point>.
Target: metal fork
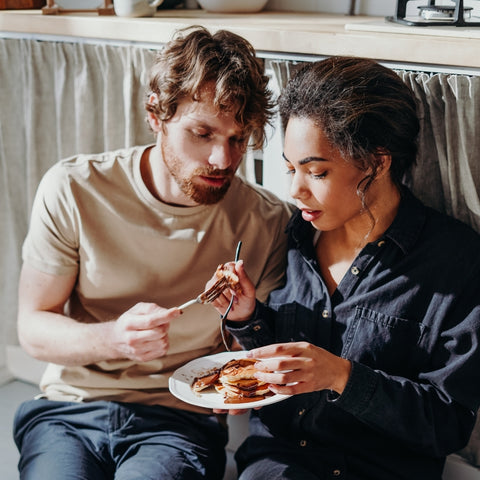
<point>223,318</point>
<point>208,296</point>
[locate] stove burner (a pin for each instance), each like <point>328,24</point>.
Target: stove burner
<point>457,15</point>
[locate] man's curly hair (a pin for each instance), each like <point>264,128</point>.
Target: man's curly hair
<point>196,58</point>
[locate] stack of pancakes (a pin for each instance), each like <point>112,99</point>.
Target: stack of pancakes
<point>236,381</point>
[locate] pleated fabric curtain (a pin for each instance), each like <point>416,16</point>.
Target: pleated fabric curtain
<point>447,173</point>
<point>57,99</point>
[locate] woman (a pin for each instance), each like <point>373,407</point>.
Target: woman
<point>375,332</point>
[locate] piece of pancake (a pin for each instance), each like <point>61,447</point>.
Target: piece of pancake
<point>205,381</point>
<point>226,278</point>
<point>228,272</point>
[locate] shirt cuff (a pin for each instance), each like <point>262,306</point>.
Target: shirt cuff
<point>251,333</point>
<point>238,325</point>
<point>358,393</point>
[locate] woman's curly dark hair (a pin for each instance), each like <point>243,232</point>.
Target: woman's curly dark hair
<point>195,58</point>
<point>364,109</point>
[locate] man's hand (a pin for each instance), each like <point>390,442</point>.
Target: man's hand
<point>141,333</point>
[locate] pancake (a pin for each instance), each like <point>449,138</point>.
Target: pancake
<point>235,380</point>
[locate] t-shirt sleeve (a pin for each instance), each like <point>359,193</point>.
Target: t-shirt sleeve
<point>51,244</point>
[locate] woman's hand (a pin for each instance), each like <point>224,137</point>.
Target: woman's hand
<point>244,301</point>
<point>300,367</point>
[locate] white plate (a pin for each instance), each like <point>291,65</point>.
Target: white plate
<point>181,380</point>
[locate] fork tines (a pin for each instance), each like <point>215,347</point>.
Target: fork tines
<point>208,296</point>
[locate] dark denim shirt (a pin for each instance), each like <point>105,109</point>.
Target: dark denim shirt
<point>407,315</point>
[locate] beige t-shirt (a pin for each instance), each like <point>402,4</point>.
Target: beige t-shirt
<point>93,216</point>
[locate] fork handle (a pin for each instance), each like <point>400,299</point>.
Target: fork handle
<point>187,304</point>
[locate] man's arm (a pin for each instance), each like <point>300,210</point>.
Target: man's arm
<point>140,334</point>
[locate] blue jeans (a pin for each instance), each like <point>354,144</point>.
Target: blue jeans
<point>107,440</point>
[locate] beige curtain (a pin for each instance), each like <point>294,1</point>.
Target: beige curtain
<point>57,99</point>
<point>447,174</point>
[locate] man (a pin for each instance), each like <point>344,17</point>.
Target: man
<point>116,242</point>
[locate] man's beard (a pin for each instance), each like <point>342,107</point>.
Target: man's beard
<point>204,195</point>
<point>201,194</point>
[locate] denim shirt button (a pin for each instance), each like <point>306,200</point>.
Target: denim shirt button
<point>303,443</point>
<point>355,270</point>
<point>337,472</point>
<point>325,314</point>
<point>256,328</point>
<point>301,412</point>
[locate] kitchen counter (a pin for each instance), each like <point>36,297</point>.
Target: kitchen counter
<point>277,32</point>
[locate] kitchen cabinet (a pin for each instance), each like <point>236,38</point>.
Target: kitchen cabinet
<point>280,33</point>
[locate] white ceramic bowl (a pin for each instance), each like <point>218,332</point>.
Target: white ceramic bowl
<point>232,6</point>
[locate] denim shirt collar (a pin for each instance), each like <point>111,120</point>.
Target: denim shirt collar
<point>404,230</point>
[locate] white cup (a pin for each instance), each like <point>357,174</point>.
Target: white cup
<point>136,8</point>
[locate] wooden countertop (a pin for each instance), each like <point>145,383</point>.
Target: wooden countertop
<point>280,32</point>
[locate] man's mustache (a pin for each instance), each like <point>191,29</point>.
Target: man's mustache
<point>213,172</point>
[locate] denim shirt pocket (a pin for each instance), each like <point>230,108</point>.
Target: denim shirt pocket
<point>383,342</point>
